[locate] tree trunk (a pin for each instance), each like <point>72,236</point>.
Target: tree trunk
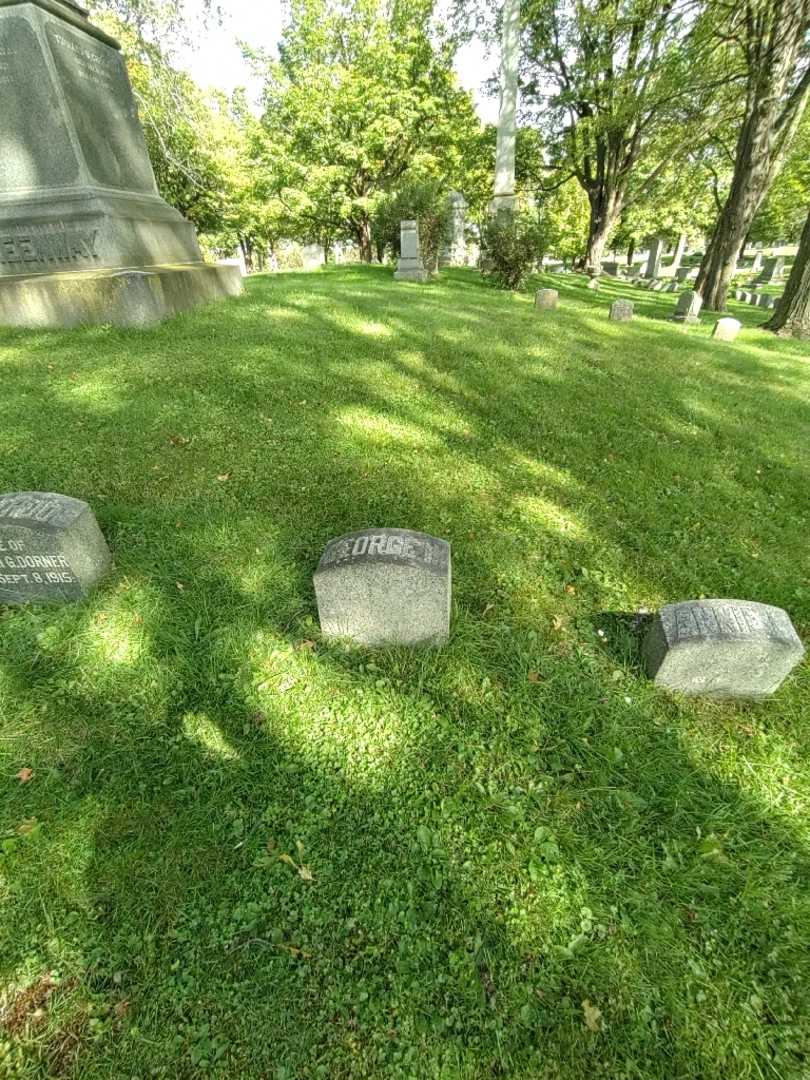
<point>773,47</point>
<point>792,315</point>
<point>630,253</point>
<point>606,206</point>
<point>247,251</point>
<point>363,234</point>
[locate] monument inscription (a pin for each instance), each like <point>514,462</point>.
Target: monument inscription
<point>722,648</point>
<point>51,548</point>
<point>37,151</point>
<point>103,110</point>
<point>385,587</point>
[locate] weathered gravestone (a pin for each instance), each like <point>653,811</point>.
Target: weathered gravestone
<point>722,648</point>
<point>385,587</point>
<point>593,284</point>
<point>410,266</point>
<point>654,260</point>
<point>772,271</point>
<point>546,299</point>
<point>51,548</point>
<point>455,253</point>
<point>726,329</point>
<point>687,310</point>
<point>621,310</point>
<point>78,197</point>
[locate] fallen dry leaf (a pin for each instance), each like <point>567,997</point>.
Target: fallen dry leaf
<point>24,775</point>
<point>306,646</point>
<point>593,1016</point>
<point>570,590</point>
<point>121,1009</point>
<point>558,623</point>
<point>534,677</point>
<point>180,586</point>
<point>26,827</point>
<point>285,684</point>
<point>305,873</point>
<point>224,477</point>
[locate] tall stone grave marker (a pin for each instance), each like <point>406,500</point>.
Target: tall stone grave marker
<point>410,266</point>
<point>455,254</point>
<point>385,587</point>
<point>687,310</point>
<point>653,267</point>
<point>722,648</point>
<point>772,271</point>
<point>51,548</point>
<point>78,198</point>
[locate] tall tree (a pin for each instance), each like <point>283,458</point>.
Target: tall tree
<point>771,40</point>
<point>792,315</point>
<point>618,88</point>
<point>363,93</point>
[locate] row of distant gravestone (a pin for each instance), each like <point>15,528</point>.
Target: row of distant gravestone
<point>383,587</point>
<point>687,310</point>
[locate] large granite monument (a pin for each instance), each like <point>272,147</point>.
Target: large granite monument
<point>84,235</point>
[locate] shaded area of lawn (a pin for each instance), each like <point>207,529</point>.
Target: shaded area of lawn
<point>497,832</point>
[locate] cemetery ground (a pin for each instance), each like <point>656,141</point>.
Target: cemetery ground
<point>229,848</point>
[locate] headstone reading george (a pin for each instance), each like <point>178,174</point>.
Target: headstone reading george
<point>78,197</point>
<point>51,548</point>
<point>654,260</point>
<point>722,648</point>
<point>546,299</point>
<point>621,310</point>
<point>687,310</point>
<point>726,329</point>
<point>410,266</point>
<point>385,587</point>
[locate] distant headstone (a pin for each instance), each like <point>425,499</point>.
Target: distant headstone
<point>51,548</point>
<point>455,254</point>
<point>687,310</point>
<point>763,300</point>
<point>312,256</point>
<point>385,587</point>
<point>593,284</point>
<point>772,271</point>
<point>726,329</point>
<point>546,299</point>
<point>653,267</point>
<point>611,268</point>
<point>682,273</point>
<point>722,648</point>
<point>410,266</point>
<point>756,265</point>
<point>621,310</point>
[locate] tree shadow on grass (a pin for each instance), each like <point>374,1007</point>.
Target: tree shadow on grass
<point>488,850</point>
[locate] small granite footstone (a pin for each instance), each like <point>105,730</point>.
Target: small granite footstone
<point>546,299</point>
<point>722,648</point>
<point>385,587</point>
<point>726,329</point>
<point>621,310</point>
<point>51,548</point>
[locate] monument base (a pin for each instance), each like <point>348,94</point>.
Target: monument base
<point>411,270</point>
<point>127,297</point>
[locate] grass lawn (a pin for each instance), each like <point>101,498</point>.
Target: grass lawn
<point>525,860</point>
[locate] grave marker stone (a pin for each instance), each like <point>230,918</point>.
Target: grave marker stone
<point>621,310</point>
<point>78,197</point>
<point>51,548</point>
<point>772,271</point>
<point>722,648</point>
<point>385,587</point>
<point>410,266</point>
<point>726,329</point>
<point>455,254</point>
<point>593,284</point>
<point>654,259</point>
<point>546,299</point>
<point>687,310</point>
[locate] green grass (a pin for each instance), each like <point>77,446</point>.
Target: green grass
<point>496,832</point>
